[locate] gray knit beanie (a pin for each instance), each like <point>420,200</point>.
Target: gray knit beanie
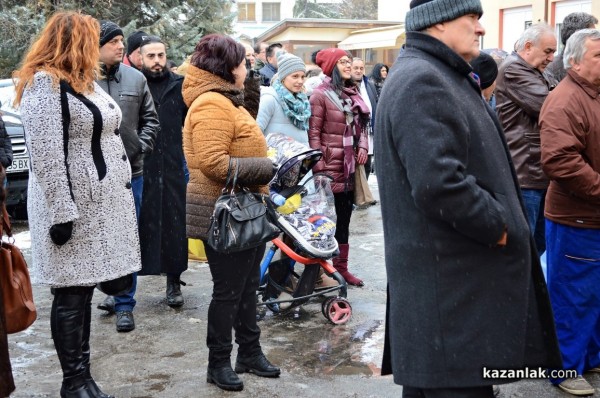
<point>287,64</point>
<point>426,13</point>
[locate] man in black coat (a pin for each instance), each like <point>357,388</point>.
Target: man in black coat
<point>162,219</point>
<point>466,293</point>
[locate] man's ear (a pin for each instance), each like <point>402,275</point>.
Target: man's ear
<point>441,27</point>
<point>436,29</point>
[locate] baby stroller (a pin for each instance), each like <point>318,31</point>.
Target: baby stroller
<point>307,219</point>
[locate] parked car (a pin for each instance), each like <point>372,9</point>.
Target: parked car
<point>17,174</point>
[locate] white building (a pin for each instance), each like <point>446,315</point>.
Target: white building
<point>256,16</point>
<point>505,20</point>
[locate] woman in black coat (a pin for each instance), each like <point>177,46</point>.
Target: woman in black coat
<point>378,76</point>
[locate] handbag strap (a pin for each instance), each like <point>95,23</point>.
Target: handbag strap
<point>228,174</point>
<point>235,175</point>
<point>5,227</point>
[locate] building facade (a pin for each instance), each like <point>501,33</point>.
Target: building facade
<point>273,21</point>
<point>505,20</point>
<point>256,16</point>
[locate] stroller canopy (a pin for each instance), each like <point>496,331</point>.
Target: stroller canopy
<point>294,159</point>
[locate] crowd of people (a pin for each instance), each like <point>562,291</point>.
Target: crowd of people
<point>129,153</point>
<point>486,164</point>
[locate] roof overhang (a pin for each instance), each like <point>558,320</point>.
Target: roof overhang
<point>386,37</point>
<point>279,31</point>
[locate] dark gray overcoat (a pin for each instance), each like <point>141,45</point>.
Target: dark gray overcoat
<point>456,301</point>
<point>162,218</point>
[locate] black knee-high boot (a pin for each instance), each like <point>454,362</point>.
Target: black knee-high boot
<point>85,349</point>
<point>67,325</point>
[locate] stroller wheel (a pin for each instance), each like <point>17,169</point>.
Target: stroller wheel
<point>328,300</point>
<point>337,310</point>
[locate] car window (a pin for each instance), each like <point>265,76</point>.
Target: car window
<point>7,96</point>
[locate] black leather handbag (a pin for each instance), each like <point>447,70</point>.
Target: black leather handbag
<point>240,220</point>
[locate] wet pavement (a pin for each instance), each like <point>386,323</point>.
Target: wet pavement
<point>166,355</point>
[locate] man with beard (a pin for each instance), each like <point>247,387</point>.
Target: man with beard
<point>162,220</point>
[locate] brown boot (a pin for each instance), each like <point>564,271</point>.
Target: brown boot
<point>325,281</point>
<point>341,265</point>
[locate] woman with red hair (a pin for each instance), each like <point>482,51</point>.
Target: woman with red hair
<point>80,206</point>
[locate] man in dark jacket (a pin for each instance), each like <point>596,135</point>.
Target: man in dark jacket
<point>466,293</point>
<point>571,23</point>
<point>268,71</point>
<point>138,130</point>
<point>260,51</point>
<point>369,94</point>
<point>162,220</point>
<point>521,88</point>
<point>570,136</point>
<point>132,56</point>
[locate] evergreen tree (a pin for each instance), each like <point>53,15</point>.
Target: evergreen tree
<point>359,9</point>
<point>312,9</point>
<point>180,23</point>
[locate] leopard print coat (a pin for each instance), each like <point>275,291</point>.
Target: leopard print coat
<point>89,185</point>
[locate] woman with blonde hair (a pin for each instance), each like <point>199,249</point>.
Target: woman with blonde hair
<point>81,211</point>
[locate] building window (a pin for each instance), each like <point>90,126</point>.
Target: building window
<point>246,12</point>
<point>271,12</point>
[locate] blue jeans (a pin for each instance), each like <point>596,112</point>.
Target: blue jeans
<point>186,171</point>
<point>534,208</point>
<point>126,302</point>
<point>573,278</point>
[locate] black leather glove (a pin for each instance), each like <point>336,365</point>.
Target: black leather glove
<point>61,233</point>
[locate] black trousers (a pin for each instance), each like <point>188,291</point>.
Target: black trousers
<point>344,202</point>
<point>467,392</point>
<point>236,277</point>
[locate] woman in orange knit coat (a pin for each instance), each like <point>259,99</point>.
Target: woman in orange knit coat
<point>217,129</point>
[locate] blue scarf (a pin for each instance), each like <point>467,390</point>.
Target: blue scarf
<point>295,107</point>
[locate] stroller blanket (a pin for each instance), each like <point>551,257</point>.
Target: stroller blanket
<point>309,207</point>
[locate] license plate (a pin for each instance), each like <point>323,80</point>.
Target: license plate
<point>18,165</point>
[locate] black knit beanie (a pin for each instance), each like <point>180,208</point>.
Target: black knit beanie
<point>134,41</point>
<point>486,68</point>
<point>108,30</point>
<point>426,13</point>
